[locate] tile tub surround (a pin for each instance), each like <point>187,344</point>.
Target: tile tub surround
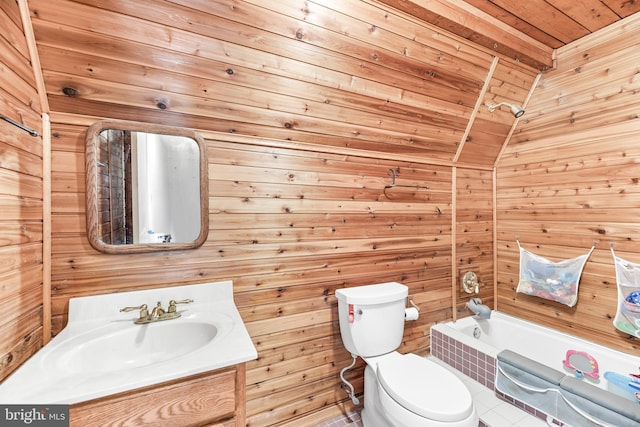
<point>466,359</point>
<point>474,364</point>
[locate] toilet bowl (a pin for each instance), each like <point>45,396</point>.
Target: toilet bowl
<point>406,390</point>
<point>400,390</point>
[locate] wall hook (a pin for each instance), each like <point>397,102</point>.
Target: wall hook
<point>21,126</point>
<point>392,174</point>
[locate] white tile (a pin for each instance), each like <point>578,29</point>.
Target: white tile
<point>481,408</point>
<point>475,387</point>
<point>488,399</point>
<point>493,419</point>
<point>510,412</point>
<point>493,411</point>
<point>530,421</point>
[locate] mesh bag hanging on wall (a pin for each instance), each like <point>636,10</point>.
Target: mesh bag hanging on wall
<point>628,280</point>
<point>555,281</point>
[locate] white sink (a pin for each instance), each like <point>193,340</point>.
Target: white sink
<point>115,347</point>
<point>102,351</point>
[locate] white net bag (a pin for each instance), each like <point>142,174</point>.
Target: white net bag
<point>555,281</point>
<point>628,280</point>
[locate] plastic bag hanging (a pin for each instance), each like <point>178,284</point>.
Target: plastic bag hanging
<point>555,281</point>
<point>628,283</point>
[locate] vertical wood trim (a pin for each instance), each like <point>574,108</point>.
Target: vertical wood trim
<point>27,27</point>
<point>454,242</point>
<point>494,199</point>
<point>515,123</point>
<point>479,103</point>
<point>241,393</point>
<point>46,229</point>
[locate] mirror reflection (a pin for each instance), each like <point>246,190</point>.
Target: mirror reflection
<point>146,187</point>
<point>583,363</point>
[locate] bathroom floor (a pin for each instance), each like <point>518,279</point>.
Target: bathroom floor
<point>493,411</point>
<point>352,419</point>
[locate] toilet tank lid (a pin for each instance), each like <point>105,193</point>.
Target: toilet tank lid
<point>373,294</point>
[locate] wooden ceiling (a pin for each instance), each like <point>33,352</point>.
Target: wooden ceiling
<point>385,77</point>
<point>528,30</point>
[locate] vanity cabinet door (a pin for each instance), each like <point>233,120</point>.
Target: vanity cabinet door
<point>205,399</point>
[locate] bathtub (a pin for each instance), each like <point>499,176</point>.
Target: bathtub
<point>471,345</point>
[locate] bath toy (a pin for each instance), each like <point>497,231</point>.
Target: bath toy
<point>582,363</point>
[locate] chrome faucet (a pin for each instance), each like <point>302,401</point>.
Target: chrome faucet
<point>158,313</point>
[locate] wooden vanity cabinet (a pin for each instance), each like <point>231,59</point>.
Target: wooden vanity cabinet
<point>214,399</point>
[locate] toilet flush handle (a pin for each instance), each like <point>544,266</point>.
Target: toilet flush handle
<point>352,313</point>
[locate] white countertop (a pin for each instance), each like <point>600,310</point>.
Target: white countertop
<point>51,376</point>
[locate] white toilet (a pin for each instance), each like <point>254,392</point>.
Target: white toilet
<point>400,390</point>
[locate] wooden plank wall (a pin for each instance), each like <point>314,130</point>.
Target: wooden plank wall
<point>288,227</point>
<point>569,177</point>
<point>474,235</point>
<point>21,192</point>
<point>304,108</point>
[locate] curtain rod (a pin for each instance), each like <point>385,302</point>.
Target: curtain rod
<point>21,126</point>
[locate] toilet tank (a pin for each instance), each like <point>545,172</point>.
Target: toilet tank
<point>372,317</point>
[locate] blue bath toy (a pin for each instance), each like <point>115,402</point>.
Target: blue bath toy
<point>633,297</point>
<point>625,383</point>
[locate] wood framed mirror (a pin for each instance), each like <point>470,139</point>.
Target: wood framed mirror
<point>147,187</point>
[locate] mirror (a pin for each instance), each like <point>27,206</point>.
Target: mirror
<point>147,187</point>
<point>582,363</point>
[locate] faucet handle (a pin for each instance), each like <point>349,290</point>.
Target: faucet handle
<point>470,283</point>
<point>172,304</point>
<point>144,311</point>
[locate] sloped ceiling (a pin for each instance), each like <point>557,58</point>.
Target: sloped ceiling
<point>396,78</point>
<point>526,30</point>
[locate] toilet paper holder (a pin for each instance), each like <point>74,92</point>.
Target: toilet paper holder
<point>413,312</point>
<point>411,303</point>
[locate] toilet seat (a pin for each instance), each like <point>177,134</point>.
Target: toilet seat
<point>425,388</point>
